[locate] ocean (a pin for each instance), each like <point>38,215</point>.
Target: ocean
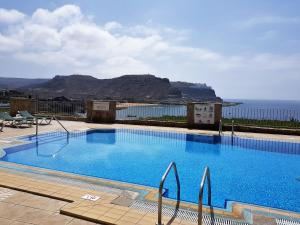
<point>249,109</point>
<point>285,110</point>
<point>267,104</point>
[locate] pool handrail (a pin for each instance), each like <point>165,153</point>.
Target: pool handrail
<point>206,175</point>
<point>161,185</point>
<point>61,125</point>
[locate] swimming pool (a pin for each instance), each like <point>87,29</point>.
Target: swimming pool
<point>252,171</point>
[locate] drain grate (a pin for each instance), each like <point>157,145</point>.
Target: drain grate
<point>6,193</point>
<point>184,214</point>
<point>286,222</point>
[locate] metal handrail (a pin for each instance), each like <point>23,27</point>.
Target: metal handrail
<point>206,175</point>
<point>161,185</point>
<point>61,125</point>
<point>232,128</point>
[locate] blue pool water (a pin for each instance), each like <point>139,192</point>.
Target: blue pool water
<point>246,170</point>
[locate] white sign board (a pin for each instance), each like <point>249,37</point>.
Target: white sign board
<point>90,197</point>
<point>100,106</point>
<point>204,113</point>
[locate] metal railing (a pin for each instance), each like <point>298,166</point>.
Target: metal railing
<point>37,126</point>
<point>261,117</point>
<point>61,108</point>
<point>54,117</point>
<point>206,175</point>
<point>156,112</point>
<point>160,195</point>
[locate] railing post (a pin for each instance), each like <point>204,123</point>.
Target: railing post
<point>232,128</point>
<point>36,112</point>
<point>36,126</point>
<point>220,128</point>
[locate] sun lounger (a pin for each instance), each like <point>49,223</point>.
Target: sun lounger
<point>42,120</point>
<point>13,121</point>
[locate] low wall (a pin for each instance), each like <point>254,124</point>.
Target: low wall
<point>154,123</point>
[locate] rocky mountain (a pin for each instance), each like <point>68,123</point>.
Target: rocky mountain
<point>125,88</point>
<point>195,91</point>
<point>15,83</point>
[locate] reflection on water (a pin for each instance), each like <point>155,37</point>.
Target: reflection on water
<point>187,140</point>
<point>92,137</point>
<point>192,147</point>
<point>52,154</point>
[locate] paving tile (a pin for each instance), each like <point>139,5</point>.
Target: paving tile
<point>33,216</point>
<point>107,219</point>
<point>4,221</point>
<point>125,222</point>
<point>17,198</point>
<point>262,220</point>
<point>55,220</point>
<point>91,215</point>
<point>81,222</point>
<point>44,203</point>
<point>117,211</point>
<point>130,219</point>
<point>113,215</point>
<point>13,212</point>
<point>19,223</point>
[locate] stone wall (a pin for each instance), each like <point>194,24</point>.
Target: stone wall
<point>99,116</point>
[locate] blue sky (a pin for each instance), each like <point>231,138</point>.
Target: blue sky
<point>243,49</point>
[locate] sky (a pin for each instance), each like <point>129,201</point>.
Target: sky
<point>246,49</point>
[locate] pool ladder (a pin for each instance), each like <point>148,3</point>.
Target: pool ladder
<point>205,177</point>
<point>160,194</point>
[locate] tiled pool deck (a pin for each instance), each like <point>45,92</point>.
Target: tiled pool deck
<point>62,201</point>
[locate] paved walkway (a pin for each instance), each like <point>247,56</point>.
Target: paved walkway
<point>19,208</point>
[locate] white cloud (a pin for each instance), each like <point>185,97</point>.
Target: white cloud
<point>8,44</point>
<point>112,26</point>
<point>66,40</point>
<point>60,17</point>
<point>10,16</point>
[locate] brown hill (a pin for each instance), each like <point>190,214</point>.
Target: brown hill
<point>127,88</point>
